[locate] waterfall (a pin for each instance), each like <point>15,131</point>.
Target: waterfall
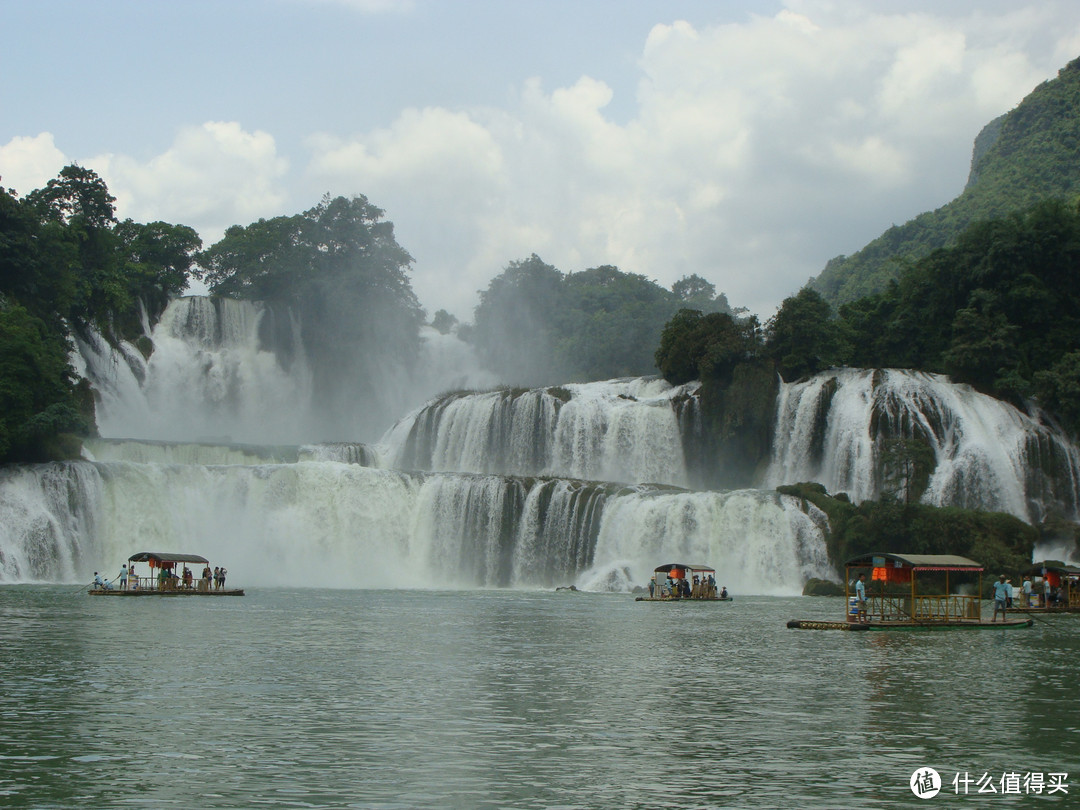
<point>210,378</point>
<point>343,525</point>
<point>218,444</point>
<point>618,430</point>
<point>153,452</point>
<point>48,522</point>
<point>839,427</point>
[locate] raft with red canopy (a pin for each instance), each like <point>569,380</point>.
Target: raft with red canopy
<point>913,591</point>
<point>673,582</point>
<point>169,576</point>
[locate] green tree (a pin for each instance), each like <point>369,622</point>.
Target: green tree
<point>609,323</point>
<point>37,393</point>
<point>444,322</point>
<point>1058,388</point>
<point>803,338</point>
<point>80,202</point>
<point>694,346</point>
<point>157,260</point>
<point>515,325</point>
<point>982,344</point>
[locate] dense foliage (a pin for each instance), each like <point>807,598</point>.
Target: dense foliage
<point>536,325</point>
<point>1000,542</point>
<point>1000,310</point>
<point>67,264</point>
<point>738,391</point>
<point>1028,155</point>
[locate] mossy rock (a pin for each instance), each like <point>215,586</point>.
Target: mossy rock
<point>822,587</point>
<point>145,346</point>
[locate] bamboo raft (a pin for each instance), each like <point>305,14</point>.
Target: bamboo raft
<point>167,582</point>
<point>165,592</point>
<point>683,599</point>
<point>894,601</point>
<point>958,624</point>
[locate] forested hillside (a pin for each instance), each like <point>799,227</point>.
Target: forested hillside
<point>67,264</point>
<point>1028,155</point>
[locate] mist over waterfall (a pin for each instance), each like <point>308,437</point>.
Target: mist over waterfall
<point>842,429</point>
<point>229,371</point>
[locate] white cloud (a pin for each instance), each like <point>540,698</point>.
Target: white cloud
<point>368,6</point>
<point>28,163</point>
<point>212,176</point>
<point>753,151</point>
<point>758,150</point>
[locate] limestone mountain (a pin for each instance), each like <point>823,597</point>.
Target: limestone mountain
<point>1029,154</point>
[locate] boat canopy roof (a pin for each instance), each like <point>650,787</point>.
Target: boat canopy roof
<point>916,562</point>
<point>1055,566</point>
<point>166,557</point>
<point>669,567</point>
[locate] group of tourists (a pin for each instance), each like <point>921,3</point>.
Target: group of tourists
<point>700,587</point>
<point>167,579</point>
<point>214,579</point>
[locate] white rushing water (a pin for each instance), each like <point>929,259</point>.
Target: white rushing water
<point>617,430</point>
<point>208,380</point>
<point>835,429</point>
<point>343,525</point>
<point>214,378</point>
<point>214,446</point>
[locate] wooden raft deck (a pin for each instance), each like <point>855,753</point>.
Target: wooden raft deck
<point>166,592</point>
<point>957,624</point>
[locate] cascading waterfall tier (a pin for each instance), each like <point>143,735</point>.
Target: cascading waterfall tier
<point>620,430</point>
<point>343,525</point>
<point>210,378</point>
<point>914,434</point>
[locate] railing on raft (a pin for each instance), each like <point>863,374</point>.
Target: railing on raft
<point>936,608</point>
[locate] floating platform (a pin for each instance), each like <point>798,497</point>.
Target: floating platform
<point>166,592</point>
<point>957,624</point>
<point>683,599</point>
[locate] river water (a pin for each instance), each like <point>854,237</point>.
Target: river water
<point>509,699</point>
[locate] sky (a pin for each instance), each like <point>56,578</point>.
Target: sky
<point>746,142</point>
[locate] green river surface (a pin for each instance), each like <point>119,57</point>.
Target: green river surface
<point>314,698</point>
